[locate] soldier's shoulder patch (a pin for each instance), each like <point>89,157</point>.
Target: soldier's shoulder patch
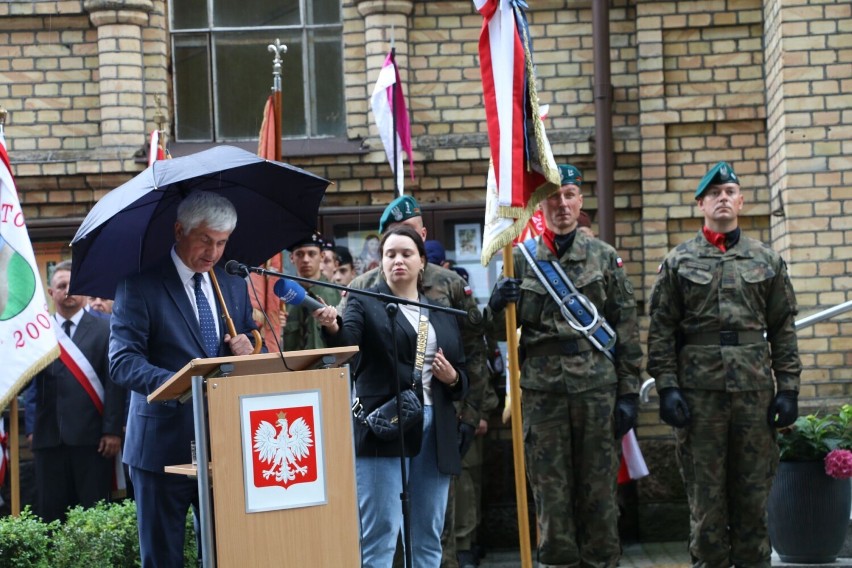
<point>619,262</point>
<point>468,291</point>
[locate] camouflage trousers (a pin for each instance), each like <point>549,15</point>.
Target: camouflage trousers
<point>464,506</point>
<point>728,456</point>
<point>572,464</point>
<point>468,509</point>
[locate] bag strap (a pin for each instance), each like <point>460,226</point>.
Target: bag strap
<point>580,313</point>
<point>422,337</point>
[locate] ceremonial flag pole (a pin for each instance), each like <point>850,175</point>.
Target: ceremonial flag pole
<point>269,148</point>
<point>522,173</point>
<point>27,339</point>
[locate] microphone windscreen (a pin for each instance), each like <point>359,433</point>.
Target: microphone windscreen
<point>289,291</point>
<point>235,268</point>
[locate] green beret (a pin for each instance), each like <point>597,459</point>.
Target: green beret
<point>570,174</point>
<point>721,173</point>
<point>314,240</point>
<point>399,210</point>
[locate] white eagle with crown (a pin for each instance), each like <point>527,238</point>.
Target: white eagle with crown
<point>283,447</point>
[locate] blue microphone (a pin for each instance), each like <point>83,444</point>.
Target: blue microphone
<point>292,293</point>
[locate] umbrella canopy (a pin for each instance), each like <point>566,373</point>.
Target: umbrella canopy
<point>132,227</point>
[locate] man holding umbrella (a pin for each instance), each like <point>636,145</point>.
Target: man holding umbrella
<point>162,318</point>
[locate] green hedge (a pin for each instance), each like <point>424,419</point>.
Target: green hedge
<point>103,536</point>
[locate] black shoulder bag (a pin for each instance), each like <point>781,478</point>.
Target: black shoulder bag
<point>384,421</point>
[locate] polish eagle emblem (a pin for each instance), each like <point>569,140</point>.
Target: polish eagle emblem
<point>283,446</point>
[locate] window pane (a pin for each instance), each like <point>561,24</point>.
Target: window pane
<point>243,83</point>
<point>192,88</point>
<point>187,14</point>
<point>325,12</point>
<point>254,13</point>
<point>328,90</point>
<point>293,91</point>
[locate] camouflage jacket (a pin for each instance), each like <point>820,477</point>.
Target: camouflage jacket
<point>596,270</point>
<point>702,291</point>
<point>446,288</point>
<point>302,331</point>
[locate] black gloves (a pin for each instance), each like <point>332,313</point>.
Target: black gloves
<point>506,290</point>
<point>626,412</point>
<point>673,408</point>
<point>784,409</point>
<point>466,434</point>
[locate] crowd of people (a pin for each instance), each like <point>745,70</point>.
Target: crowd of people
<point>722,299</point>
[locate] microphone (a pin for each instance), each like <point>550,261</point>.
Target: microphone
<point>292,293</point>
<point>236,268</point>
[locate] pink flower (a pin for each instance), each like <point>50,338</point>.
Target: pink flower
<point>838,464</point>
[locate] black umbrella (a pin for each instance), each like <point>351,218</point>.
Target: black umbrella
<point>132,227</point>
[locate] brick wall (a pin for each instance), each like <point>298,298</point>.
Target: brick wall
<point>761,83</point>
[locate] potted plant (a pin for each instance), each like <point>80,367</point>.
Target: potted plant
<point>810,499</point>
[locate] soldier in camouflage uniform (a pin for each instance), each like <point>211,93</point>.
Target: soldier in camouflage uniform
<point>468,486</point>
<point>301,330</point>
<point>576,402</point>
<point>445,288</point>
<point>722,314</point>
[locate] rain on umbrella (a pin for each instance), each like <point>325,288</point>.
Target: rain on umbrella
<point>132,227</point>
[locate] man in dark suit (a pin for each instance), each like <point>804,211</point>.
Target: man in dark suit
<point>162,318</point>
<point>75,418</point>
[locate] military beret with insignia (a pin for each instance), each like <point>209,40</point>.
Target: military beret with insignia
<point>327,243</point>
<point>570,174</point>
<point>314,240</point>
<point>399,210</point>
<point>719,174</point>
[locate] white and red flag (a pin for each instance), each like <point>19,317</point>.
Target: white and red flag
<point>155,148</point>
<point>522,170</point>
<point>27,341</point>
<point>388,102</point>
<point>633,464</point>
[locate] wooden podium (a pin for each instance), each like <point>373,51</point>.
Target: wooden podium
<point>245,524</point>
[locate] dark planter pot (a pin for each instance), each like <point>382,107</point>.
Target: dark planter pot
<point>808,513</point>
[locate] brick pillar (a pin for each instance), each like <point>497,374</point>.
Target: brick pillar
<point>384,20</point>
<point>809,136</point>
<point>120,67</point>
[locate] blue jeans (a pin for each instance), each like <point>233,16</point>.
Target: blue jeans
<point>379,485</point>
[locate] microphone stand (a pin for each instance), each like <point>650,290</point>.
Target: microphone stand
<point>391,308</point>
<point>386,298</point>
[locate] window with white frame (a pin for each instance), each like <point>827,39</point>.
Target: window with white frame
<point>222,70</point>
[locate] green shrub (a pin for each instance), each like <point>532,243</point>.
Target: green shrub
<point>25,541</point>
<point>104,536</point>
<point>813,436</point>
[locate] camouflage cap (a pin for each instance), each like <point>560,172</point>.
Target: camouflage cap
<point>570,174</point>
<point>721,173</point>
<point>398,210</point>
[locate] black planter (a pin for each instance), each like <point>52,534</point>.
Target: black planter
<point>808,513</point>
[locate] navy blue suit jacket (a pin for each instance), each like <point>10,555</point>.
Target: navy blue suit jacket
<point>154,334</point>
<point>60,411</point>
